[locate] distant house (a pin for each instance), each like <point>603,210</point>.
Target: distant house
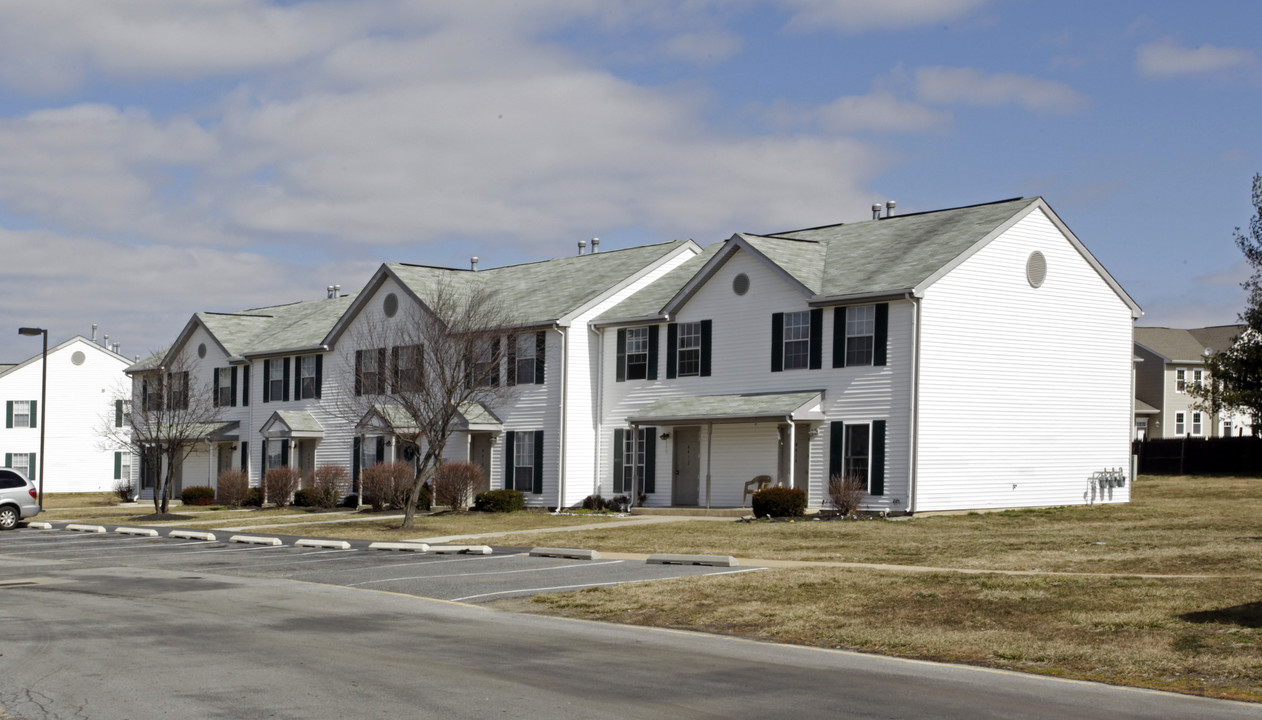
<point>977,357</point>
<point>84,383</point>
<point>1169,361</point>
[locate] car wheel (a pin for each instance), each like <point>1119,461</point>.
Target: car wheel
<point>8,517</point>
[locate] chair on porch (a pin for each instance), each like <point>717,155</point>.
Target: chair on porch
<point>762,482</point>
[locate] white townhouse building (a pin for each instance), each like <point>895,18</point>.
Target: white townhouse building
<point>1169,361</point>
<point>970,358</point>
<point>84,383</point>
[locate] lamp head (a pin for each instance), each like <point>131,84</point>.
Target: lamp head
<point>31,331</point>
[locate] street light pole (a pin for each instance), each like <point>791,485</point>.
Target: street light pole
<point>43,404</point>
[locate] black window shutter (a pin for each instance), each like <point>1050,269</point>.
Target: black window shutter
<point>618,439</point>
<point>245,383</point>
<point>622,355</point>
<point>285,384</point>
<point>284,452</point>
<point>777,342</point>
<point>267,382</point>
<point>214,398</point>
<point>839,337</point>
<point>394,369</point>
<point>118,413</point>
<point>381,370</point>
<point>319,374</point>
<point>35,406</point>
<point>836,449</point>
<point>297,378</point>
<point>509,436</point>
<point>118,466</point>
<point>381,448</point>
<point>30,465</point>
<point>359,374</point>
<point>817,338</point>
<point>706,334</point>
<point>8,460</point>
<point>496,348</point>
<point>881,335</point>
<point>541,352</point>
<point>183,400</point>
<point>232,385</point>
<point>245,456</point>
<point>355,457</point>
<point>650,460</point>
<point>510,368</point>
<point>877,484</point>
<point>652,374</point>
<point>537,487</point>
<point>8,411</point>
<point>672,347</point>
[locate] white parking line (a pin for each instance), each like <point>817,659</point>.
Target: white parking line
<point>245,548</point>
<point>578,587</point>
<point>475,558</point>
<point>47,539</point>
<point>289,562</point>
<point>161,552</point>
<point>495,572</point>
<point>98,540</point>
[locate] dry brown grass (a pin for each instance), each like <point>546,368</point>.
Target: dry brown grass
<point>451,524</point>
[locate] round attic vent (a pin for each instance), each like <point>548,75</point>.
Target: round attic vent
<point>740,284</point>
<point>390,305</point>
<point>1036,269</point>
<point>201,350</point>
<point>78,357</point>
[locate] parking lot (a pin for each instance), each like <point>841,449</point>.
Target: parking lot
<point>460,574</point>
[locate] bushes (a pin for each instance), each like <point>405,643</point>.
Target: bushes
<point>779,502</point>
<point>454,483</point>
<point>846,492</point>
<point>328,484</point>
<point>387,485</point>
<point>595,503</point>
<point>234,486</point>
<point>279,485</point>
<point>304,497</point>
<point>504,501</point>
<point>253,498</point>
<point>123,490</point>
<point>197,495</point>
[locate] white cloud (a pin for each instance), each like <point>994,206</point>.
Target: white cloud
<point>703,47</point>
<point>969,86</point>
<point>879,112</point>
<point>1164,59</point>
<point>859,15</point>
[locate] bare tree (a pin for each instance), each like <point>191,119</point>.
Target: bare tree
<point>423,367</point>
<point>171,415</point>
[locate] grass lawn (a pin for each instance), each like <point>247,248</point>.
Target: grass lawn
<point>1194,635</point>
<point>453,524</point>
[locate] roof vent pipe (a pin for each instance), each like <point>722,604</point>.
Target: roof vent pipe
<point>93,332</point>
<point>595,245</point>
<point>581,245</point>
<point>107,341</point>
<point>473,263</point>
<point>876,211</point>
<point>328,293</point>
<point>117,348</point>
<point>889,208</point>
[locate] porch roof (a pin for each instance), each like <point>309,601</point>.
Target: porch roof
<point>749,407</point>
<point>473,416</point>
<point>292,424</point>
<point>219,431</point>
<point>1143,408</point>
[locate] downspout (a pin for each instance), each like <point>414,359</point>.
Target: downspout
<point>913,409</point>
<point>564,417</point>
<point>600,404</point>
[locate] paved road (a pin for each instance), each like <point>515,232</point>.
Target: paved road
<point>90,637</point>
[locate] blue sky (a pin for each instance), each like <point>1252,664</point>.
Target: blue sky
<point>161,157</point>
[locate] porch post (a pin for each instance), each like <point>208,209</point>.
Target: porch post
<point>709,445</point>
<point>635,463</point>
<point>792,451</point>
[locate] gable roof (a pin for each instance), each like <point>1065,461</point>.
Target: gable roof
<point>75,340</point>
<point>1178,345</point>
<point>648,302</point>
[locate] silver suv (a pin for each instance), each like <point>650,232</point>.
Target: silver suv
<point>19,499</point>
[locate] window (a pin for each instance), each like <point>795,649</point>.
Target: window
<point>276,453</point>
<point>524,462</point>
<point>22,414</point>
<point>308,382</point>
<point>224,387</point>
<point>1227,428</point>
<point>797,340</point>
<point>177,391</point>
<point>632,458</point>
<point>860,334</point>
<point>407,368</point>
<point>1180,380</point>
<point>1196,423</point>
<point>124,466</point>
<point>689,350</point>
<point>524,363</point>
<point>276,379</point>
<point>24,462</point>
<point>637,355</point>
<point>1179,423</point>
<point>1197,377</point>
<point>368,451</point>
<point>10,481</point>
<point>151,393</point>
<point>857,451</point>
<point>485,365</point>
<point>370,371</point>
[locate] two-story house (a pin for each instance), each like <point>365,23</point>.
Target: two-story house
<point>1168,362</point>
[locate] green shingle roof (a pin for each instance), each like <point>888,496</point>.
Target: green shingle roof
<point>651,300</point>
<point>718,408</point>
<point>1186,346</point>
<point>280,327</point>
<point>543,291</point>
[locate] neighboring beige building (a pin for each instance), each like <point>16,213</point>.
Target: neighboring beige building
<point>1168,361</point>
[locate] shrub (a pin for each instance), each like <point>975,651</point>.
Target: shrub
<point>253,498</point>
<point>234,486</point>
<point>504,501</point>
<point>387,484</point>
<point>123,490</point>
<point>425,500</point>
<point>351,501</point>
<point>304,497</point>
<point>279,485</point>
<point>329,483</point>
<point>779,502</point>
<point>619,504</point>
<point>197,495</point>
<point>454,483</point>
<point>846,492</point>
<point>595,503</point>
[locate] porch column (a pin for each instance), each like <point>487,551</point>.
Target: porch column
<point>709,445</point>
<point>792,451</point>
<point>635,463</point>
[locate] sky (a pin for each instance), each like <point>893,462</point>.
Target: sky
<point>165,157</point>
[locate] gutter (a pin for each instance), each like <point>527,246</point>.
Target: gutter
<point>600,402</point>
<point>914,411</point>
<point>564,415</point>
<point>822,301</point>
